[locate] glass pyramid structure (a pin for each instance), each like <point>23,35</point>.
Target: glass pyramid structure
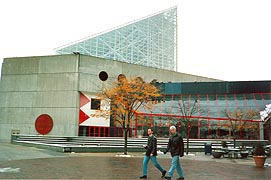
<point>150,41</point>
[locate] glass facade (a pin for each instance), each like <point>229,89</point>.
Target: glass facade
<point>206,115</point>
<point>151,41</point>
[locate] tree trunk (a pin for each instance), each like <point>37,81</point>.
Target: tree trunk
<point>234,139</point>
<point>234,142</point>
<point>187,145</point>
<point>125,141</point>
<point>187,140</point>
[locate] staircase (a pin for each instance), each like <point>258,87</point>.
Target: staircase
<point>106,144</point>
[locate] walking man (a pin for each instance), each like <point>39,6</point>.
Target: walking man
<point>176,148</point>
<point>151,153</point>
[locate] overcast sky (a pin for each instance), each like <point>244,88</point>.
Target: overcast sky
<point>224,39</point>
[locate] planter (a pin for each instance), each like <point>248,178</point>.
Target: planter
<point>217,154</point>
<point>259,160</point>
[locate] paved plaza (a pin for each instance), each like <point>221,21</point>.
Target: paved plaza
<point>21,162</point>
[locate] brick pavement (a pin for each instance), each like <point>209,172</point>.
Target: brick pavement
<point>110,166</point>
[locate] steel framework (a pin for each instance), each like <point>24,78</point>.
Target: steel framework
<point>151,41</point>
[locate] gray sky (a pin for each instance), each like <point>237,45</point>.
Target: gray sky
<point>224,39</point>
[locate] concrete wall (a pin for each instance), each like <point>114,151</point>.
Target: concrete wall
<point>90,67</point>
<point>31,86</point>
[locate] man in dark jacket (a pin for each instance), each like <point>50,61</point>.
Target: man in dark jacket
<point>176,148</point>
<point>151,153</point>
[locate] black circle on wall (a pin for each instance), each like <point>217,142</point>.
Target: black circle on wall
<point>103,76</point>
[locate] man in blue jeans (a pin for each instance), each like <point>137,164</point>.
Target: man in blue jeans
<point>151,153</point>
<point>176,148</point>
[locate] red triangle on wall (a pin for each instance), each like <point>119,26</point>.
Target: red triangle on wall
<point>83,100</point>
<point>82,116</point>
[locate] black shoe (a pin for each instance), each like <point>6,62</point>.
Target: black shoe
<point>167,177</point>
<point>164,173</point>
<point>143,177</point>
<point>180,178</point>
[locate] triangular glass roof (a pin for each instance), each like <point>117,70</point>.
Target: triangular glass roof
<point>151,41</point>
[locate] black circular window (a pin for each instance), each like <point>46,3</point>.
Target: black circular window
<point>103,76</point>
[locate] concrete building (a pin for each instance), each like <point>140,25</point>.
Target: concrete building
<point>52,85</point>
<point>56,95</point>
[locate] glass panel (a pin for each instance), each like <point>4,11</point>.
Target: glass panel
<point>147,38</point>
<point>95,104</point>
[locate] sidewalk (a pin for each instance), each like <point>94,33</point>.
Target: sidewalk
<point>20,162</point>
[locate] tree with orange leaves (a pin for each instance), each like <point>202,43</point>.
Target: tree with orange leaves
<point>126,96</point>
<point>238,120</point>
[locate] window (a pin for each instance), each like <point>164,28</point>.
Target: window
<point>95,104</point>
